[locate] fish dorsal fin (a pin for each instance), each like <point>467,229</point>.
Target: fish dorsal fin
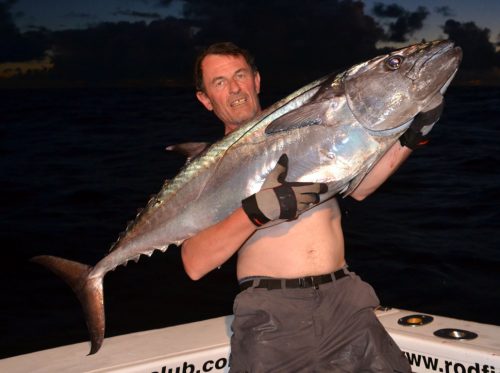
<point>307,115</point>
<point>188,149</point>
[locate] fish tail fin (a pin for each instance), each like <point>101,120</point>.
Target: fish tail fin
<point>88,290</point>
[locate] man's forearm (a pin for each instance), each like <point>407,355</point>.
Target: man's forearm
<point>215,245</point>
<point>384,168</point>
<point>414,137</point>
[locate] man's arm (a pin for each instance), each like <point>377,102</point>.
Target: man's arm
<point>215,245</point>
<point>276,200</point>
<point>415,136</point>
<point>384,168</point>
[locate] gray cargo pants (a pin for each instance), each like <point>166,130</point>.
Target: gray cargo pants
<point>329,329</point>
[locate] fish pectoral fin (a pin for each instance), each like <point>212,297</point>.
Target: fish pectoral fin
<point>188,149</point>
<point>88,290</point>
<point>307,115</point>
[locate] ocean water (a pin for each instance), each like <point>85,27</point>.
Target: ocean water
<point>76,164</point>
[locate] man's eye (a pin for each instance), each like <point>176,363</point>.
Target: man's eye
<point>241,75</point>
<point>219,83</point>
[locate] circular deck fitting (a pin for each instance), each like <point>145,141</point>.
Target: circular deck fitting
<point>415,320</point>
<point>455,334</point>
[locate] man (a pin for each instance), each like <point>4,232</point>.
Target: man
<point>301,309</point>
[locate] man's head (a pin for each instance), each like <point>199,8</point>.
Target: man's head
<point>227,82</point>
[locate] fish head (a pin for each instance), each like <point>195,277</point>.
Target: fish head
<point>385,93</point>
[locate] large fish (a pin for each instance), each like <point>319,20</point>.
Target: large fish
<point>333,131</point>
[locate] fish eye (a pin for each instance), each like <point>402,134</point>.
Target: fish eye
<point>394,62</point>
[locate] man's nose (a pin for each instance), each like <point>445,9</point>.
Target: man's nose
<point>234,87</point>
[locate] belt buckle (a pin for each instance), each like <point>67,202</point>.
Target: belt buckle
<point>302,282</point>
<point>314,284</point>
<point>307,282</point>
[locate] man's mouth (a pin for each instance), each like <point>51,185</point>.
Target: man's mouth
<point>238,102</point>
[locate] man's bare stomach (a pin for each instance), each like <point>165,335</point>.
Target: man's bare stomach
<point>311,245</point>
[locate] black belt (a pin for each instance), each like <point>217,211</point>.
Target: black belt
<point>294,283</point>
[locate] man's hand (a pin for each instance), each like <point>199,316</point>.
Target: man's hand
<point>417,134</point>
<point>279,199</point>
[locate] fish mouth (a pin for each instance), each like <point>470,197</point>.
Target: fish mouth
<point>442,65</point>
<point>434,70</point>
<point>440,55</point>
<point>447,84</point>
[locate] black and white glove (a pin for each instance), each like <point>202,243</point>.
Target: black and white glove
<point>417,134</point>
<point>279,199</point>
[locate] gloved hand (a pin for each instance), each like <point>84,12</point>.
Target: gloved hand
<point>417,134</point>
<point>279,199</point>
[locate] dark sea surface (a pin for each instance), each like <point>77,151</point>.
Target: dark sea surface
<point>76,164</point>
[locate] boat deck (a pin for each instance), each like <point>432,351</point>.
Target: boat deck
<point>204,347</point>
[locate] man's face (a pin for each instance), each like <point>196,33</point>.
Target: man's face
<point>231,89</point>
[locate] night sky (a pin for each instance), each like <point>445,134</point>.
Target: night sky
<point>156,41</point>
<point>61,14</point>
<point>64,14</point>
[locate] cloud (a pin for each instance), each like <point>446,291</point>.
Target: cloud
<point>298,39</point>
<point>389,11</point>
<point>313,40</point>
<point>445,11</point>
<point>6,20</point>
<point>14,46</point>
<point>294,42</point>
<point>79,15</point>
<point>165,2</point>
<point>136,14</point>
<point>478,52</point>
<point>19,14</point>
<point>406,22</point>
<point>8,3</point>
<point>161,49</point>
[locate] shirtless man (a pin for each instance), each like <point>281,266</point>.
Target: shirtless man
<point>301,309</point>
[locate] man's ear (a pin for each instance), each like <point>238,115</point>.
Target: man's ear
<point>257,82</point>
<point>204,99</point>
